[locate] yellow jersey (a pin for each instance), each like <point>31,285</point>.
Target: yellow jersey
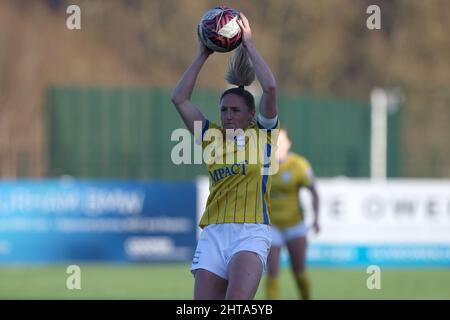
<point>295,172</point>
<point>239,186</point>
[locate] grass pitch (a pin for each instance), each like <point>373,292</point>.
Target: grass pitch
<point>174,281</point>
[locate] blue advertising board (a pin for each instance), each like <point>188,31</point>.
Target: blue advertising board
<point>387,255</point>
<point>46,221</point>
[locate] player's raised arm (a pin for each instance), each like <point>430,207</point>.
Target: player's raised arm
<point>182,93</point>
<point>268,106</point>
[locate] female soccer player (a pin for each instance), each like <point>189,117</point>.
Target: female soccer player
<point>286,214</point>
<point>232,251</point>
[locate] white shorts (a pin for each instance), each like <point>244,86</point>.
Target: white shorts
<point>219,242</point>
<point>281,236</point>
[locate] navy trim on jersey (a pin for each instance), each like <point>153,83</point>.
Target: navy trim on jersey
<point>261,127</point>
<point>205,127</point>
<point>264,185</point>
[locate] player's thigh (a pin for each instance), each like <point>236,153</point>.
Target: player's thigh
<point>209,286</point>
<point>297,253</point>
<point>244,274</point>
<point>273,261</point>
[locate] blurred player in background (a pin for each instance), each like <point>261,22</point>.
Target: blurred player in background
<point>286,214</point>
<point>232,250</point>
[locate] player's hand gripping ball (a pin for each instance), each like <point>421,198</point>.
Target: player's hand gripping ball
<point>218,29</point>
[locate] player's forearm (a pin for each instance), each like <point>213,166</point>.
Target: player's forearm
<point>268,105</point>
<point>185,86</point>
<point>316,205</point>
<point>262,70</point>
<point>316,210</point>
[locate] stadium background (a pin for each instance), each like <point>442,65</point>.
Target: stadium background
<point>90,109</point>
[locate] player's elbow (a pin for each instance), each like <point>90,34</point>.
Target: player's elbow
<point>271,88</point>
<point>177,99</point>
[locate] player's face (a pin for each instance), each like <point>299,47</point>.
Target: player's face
<point>234,113</point>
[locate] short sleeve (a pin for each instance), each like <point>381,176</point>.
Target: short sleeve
<point>209,132</point>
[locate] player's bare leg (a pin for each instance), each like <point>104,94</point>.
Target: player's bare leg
<point>273,263</point>
<point>209,286</point>
<point>244,273</point>
<point>297,254</point>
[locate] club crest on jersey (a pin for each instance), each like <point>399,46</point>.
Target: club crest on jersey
<point>286,176</point>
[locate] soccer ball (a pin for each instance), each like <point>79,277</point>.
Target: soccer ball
<point>218,29</point>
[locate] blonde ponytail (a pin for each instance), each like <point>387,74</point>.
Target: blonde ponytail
<point>240,70</point>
